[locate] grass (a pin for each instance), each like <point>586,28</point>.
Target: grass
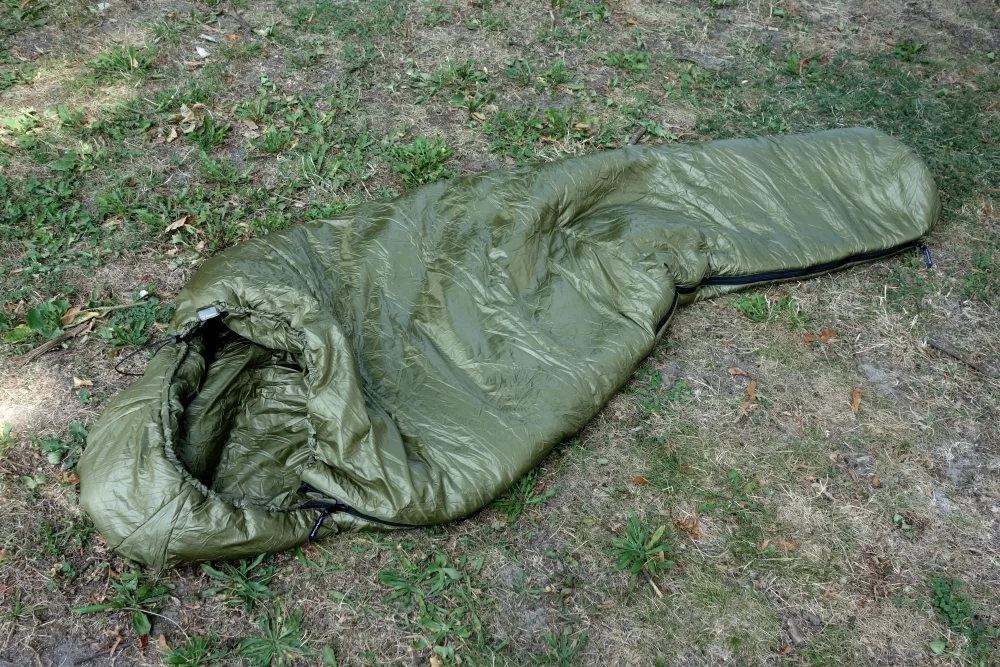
<point>125,161</point>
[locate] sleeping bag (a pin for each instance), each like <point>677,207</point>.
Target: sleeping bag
<point>404,363</point>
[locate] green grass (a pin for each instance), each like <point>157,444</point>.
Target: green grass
<point>295,120</point>
<point>242,583</point>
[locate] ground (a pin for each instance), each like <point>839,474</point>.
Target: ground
<point>823,457</point>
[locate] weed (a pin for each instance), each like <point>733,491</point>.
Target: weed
<point>440,593</point>
<point>519,70</point>
<point>555,75</point>
<point>45,319</point>
<point>525,493</point>
<point>908,49</point>
<point>6,441</point>
<point>956,610</point>
<point>196,651</point>
<point>642,549</point>
<point>221,171</point>
<point>243,583</point>
<point>281,642</point>
<point>754,306</point>
<point>123,61</point>
<point>634,62</point>
<point>130,327</point>
<point>737,499</point>
<point>421,161</point>
<point>210,133</point>
<point>61,452</point>
<point>564,648</point>
<point>273,139</point>
<point>135,593</point>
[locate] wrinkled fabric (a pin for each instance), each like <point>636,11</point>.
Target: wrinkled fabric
<point>412,358</point>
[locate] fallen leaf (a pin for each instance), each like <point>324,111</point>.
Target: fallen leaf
<point>826,334</point>
<point>231,37</point>
<point>193,63</point>
<point>549,140</point>
<point>143,642</point>
<point>876,481</point>
<point>641,481</point>
<point>810,338</point>
<point>630,21</point>
<point>436,661</point>
<point>80,382</point>
<point>172,135</point>
<point>162,642</point>
<point>850,472</point>
<point>179,222</point>
<point>787,545</point>
<point>690,526</point>
<point>856,399</point>
<point>733,370</point>
<point>478,116</point>
<point>3,555</point>
<point>986,208</point>
<point>765,544</point>
<point>67,319</point>
<point>202,52</point>
<point>751,396</point>
<point>209,38</point>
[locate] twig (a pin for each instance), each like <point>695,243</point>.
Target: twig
<point>56,342</point>
<point>959,356</point>
<point>636,136</point>
<point>239,18</point>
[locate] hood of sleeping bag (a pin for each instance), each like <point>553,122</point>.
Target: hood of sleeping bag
<point>406,362</point>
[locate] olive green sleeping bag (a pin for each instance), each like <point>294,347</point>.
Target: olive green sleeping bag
<point>404,363</point>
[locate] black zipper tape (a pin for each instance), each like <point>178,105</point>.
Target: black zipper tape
<point>769,276</point>
<point>666,318</point>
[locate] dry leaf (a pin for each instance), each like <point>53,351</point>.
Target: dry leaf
<point>751,396</point>
<point>436,661</point>
<point>826,334</point>
<point>810,338</point>
<point>549,140</point>
<point>80,382</point>
<point>690,526</point>
<point>231,37</point>
<point>733,370</point>
<point>3,555</point>
<point>162,642</point>
<point>209,38</point>
<point>786,545</point>
<point>202,52</point>
<point>986,207</point>
<point>630,21</point>
<point>765,544</point>
<point>172,135</point>
<point>193,63</point>
<point>856,399</point>
<point>179,222</point>
<point>67,319</point>
<point>641,481</point>
<point>876,481</point>
<point>478,116</point>
<point>143,642</point>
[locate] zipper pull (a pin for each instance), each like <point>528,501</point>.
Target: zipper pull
<point>927,256</point>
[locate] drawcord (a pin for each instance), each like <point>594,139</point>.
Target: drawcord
<point>327,511</point>
<point>159,346</point>
<point>927,256</point>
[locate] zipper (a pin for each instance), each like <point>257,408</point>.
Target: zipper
<point>666,318</point>
<point>768,276</point>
